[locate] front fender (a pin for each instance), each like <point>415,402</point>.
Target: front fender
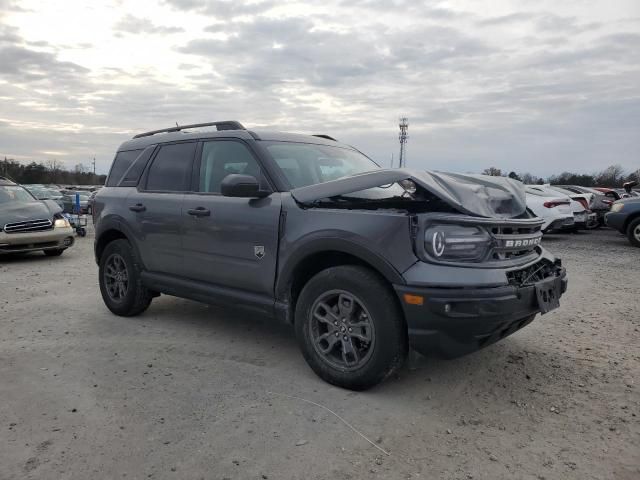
<point>326,243</point>
<point>381,239</point>
<point>113,223</point>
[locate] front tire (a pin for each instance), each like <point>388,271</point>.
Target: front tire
<point>120,282</point>
<point>633,232</point>
<point>350,328</point>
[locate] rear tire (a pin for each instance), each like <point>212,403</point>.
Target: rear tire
<point>54,253</point>
<point>350,328</point>
<point>120,283</point>
<point>633,232</point>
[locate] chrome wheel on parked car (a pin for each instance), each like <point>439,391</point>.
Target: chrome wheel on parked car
<point>342,330</point>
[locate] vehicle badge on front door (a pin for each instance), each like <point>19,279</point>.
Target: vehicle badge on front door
<point>258,251</point>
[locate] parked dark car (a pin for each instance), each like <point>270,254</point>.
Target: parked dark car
<point>364,262</point>
<point>625,217</point>
<point>28,224</point>
<point>44,193</point>
<point>69,202</point>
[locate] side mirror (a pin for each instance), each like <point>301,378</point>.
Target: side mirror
<point>247,186</point>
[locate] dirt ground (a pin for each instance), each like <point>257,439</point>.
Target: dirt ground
<point>188,391</point>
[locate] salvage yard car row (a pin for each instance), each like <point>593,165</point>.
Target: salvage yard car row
<point>66,196</point>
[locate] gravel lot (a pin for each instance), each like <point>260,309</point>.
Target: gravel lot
<point>184,391</point>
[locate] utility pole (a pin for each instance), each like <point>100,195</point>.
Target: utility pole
<point>403,137</point>
<point>391,160</point>
<point>94,165</point>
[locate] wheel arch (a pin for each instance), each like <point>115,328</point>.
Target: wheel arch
<point>113,230</point>
<point>323,254</point>
<point>630,218</point>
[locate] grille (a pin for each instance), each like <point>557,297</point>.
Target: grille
<point>25,246</point>
<point>533,273</point>
<point>28,226</point>
<point>514,241</point>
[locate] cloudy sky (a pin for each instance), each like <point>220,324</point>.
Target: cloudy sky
<point>542,86</point>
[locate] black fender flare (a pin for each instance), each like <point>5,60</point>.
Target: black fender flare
<point>114,223</point>
<point>333,244</point>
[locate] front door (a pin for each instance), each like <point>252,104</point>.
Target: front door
<point>229,242</point>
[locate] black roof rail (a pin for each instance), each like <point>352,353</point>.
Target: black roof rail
<point>226,125</point>
<point>321,135</point>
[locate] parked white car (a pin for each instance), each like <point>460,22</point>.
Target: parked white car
<point>583,217</point>
<point>586,199</point>
<point>555,210</point>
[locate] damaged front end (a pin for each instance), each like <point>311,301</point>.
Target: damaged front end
<point>454,219</point>
<point>476,195</point>
<point>480,272</point>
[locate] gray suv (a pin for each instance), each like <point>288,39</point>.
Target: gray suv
<point>364,262</point>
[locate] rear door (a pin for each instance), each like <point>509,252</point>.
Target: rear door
<point>155,208</point>
<point>230,242</point>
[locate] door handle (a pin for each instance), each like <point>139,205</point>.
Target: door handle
<point>138,207</point>
<point>199,212</point>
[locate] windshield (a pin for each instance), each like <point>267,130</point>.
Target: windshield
<point>14,194</point>
<point>308,164</point>
<point>39,193</point>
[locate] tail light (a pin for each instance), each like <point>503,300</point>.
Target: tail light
<point>556,203</point>
<point>583,202</point>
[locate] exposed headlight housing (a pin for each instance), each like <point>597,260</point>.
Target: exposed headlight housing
<point>456,243</point>
<point>61,223</point>
<point>616,207</point>
<point>409,186</point>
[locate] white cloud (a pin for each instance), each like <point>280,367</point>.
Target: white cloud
<point>537,87</point>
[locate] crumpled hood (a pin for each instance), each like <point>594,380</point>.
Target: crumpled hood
<point>471,194</point>
<point>25,211</point>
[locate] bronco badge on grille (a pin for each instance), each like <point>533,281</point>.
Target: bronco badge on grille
<point>525,242</point>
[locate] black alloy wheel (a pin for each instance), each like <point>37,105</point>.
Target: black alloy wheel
<point>342,330</point>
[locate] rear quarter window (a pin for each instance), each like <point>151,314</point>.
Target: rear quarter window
<point>120,165</point>
<point>134,172</point>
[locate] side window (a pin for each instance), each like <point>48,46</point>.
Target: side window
<point>120,165</point>
<point>171,168</point>
<point>132,175</point>
<point>224,157</point>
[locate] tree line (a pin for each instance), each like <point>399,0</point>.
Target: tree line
<point>613,176</point>
<point>51,172</point>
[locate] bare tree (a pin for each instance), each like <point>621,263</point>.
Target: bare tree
<point>493,171</point>
<point>634,176</point>
<point>611,176</point>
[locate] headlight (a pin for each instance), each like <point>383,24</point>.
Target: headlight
<point>61,223</point>
<point>456,243</point>
<point>616,207</point>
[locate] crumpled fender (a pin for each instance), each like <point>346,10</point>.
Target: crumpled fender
<point>480,195</point>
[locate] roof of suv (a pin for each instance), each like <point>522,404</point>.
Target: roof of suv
<point>145,141</point>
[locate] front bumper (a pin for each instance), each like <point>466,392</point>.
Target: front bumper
<point>454,321</point>
<point>58,237</point>
<point>566,223</point>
